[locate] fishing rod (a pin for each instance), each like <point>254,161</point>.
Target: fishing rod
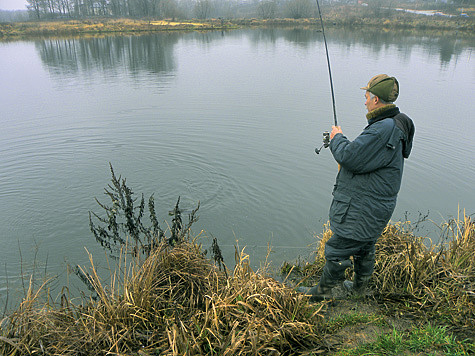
<point>326,135</point>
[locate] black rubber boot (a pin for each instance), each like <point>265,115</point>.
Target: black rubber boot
<point>323,290</point>
<point>359,287</point>
<point>364,266</point>
<point>333,275</point>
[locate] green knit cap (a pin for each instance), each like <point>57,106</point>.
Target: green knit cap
<point>384,87</point>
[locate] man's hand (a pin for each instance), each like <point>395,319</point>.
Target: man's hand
<point>335,130</point>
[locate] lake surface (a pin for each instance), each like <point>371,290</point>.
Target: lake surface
<point>230,119</point>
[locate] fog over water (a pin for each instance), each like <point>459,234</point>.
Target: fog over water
<point>229,119</point>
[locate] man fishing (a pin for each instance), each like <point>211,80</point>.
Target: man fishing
<point>366,188</point>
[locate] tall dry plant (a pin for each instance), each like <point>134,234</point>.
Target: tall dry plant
<point>123,223</point>
<point>438,280</point>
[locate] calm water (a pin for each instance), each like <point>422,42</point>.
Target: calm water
<point>227,119</point>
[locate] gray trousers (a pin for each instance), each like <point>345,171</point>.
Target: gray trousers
<point>337,254</point>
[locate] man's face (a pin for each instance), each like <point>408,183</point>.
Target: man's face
<point>370,103</point>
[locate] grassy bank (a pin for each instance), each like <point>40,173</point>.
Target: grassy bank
<point>178,301</point>
<point>104,27</point>
<point>355,17</point>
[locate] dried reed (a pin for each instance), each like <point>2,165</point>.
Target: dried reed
<point>176,303</point>
<point>438,280</point>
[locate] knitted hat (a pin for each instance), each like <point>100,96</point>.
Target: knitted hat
<point>384,87</point>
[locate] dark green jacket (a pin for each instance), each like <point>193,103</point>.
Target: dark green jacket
<point>367,184</point>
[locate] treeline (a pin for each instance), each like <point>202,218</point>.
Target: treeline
<point>204,9</point>
<point>181,9</point>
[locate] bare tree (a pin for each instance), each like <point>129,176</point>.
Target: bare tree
<point>298,9</point>
<point>202,9</point>
<point>34,8</point>
<point>267,9</point>
<point>14,15</point>
<point>168,9</point>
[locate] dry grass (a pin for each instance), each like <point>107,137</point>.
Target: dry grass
<point>436,280</point>
<point>177,302</point>
<point>103,26</point>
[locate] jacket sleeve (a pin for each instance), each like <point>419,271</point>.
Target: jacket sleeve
<point>363,155</point>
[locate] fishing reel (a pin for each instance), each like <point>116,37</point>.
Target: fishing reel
<point>326,142</point>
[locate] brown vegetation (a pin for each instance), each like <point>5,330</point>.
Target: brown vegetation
<point>428,280</point>
<point>102,26</point>
<point>357,17</point>
<point>177,302</point>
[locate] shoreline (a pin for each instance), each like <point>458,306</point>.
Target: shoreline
<point>421,301</point>
<point>125,26</point>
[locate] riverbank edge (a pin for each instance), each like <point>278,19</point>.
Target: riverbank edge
<point>249,311</point>
<point>126,26</point>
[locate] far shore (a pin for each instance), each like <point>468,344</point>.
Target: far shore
<point>110,26</point>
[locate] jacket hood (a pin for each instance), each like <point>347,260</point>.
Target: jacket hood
<point>403,123</point>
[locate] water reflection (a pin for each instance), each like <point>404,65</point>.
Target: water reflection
<point>155,53</point>
<point>447,46</point>
<point>148,53</point>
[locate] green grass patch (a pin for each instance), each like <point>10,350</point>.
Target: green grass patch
<point>428,340</point>
<point>356,318</point>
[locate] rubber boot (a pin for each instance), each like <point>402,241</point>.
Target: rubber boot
<point>364,266</point>
<point>359,287</point>
<point>333,274</point>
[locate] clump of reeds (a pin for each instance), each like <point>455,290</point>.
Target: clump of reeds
<point>176,303</point>
<point>436,279</point>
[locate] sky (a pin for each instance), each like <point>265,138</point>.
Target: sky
<point>12,4</point>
